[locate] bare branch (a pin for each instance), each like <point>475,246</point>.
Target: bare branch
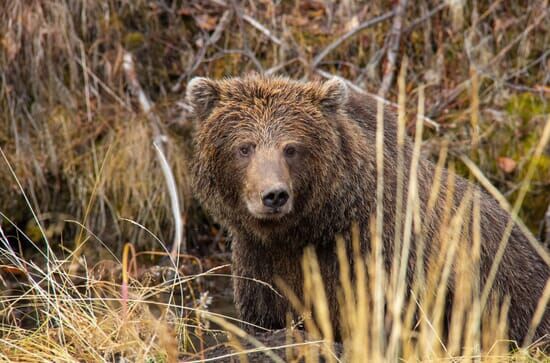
<point>349,34</point>
<point>427,16</point>
<point>393,48</point>
<point>256,24</point>
<point>222,24</point>
<point>213,39</point>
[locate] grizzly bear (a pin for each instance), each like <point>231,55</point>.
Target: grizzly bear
<point>284,164</point>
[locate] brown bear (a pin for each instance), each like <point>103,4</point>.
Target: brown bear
<point>284,164</point>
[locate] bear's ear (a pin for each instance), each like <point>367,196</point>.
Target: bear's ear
<point>202,93</point>
<point>334,95</point>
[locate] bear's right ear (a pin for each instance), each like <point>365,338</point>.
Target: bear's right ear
<point>202,93</point>
<point>334,94</point>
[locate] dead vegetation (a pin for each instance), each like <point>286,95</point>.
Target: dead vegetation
<point>78,167</point>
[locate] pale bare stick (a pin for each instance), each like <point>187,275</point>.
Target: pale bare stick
<point>174,202</point>
<point>158,141</point>
<point>256,24</point>
<point>393,46</point>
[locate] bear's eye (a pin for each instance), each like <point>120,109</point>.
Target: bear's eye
<point>290,151</point>
<point>245,150</point>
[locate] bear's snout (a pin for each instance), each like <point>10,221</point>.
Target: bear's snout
<point>271,202</point>
<point>268,187</point>
<point>275,197</point>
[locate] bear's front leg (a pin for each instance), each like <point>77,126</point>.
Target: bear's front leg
<point>256,300</point>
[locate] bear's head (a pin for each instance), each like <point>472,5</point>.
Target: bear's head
<point>264,147</point>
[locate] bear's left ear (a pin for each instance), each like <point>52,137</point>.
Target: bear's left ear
<point>203,94</point>
<point>334,94</point>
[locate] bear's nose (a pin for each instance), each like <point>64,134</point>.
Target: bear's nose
<point>275,198</point>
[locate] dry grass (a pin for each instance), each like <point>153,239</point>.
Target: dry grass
<point>82,153</point>
<point>106,312</point>
<point>66,110</point>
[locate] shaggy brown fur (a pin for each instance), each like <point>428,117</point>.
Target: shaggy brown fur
<point>332,182</point>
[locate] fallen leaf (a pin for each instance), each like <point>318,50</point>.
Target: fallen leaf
<point>206,22</point>
<point>506,164</point>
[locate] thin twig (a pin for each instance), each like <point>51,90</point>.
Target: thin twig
<point>276,68</point>
<point>393,46</point>
<point>222,24</point>
<point>335,44</point>
<point>213,39</point>
<point>540,59</point>
<point>107,89</point>
<point>256,24</point>
<point>246,48</point>
<point>427,16</point>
